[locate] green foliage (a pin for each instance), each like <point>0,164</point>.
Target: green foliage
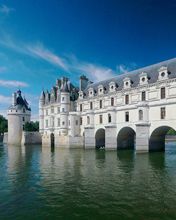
<point>3,124</point>
<point>31,126</point>
<point>171,132</point>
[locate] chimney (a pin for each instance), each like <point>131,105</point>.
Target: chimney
<point>83,82</point>
<point>14,99</point>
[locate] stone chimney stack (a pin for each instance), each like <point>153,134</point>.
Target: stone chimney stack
<point>14,99</point>
<point>83,82</point>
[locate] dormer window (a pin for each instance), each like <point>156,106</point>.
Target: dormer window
<point>163,73</point>
<point>100,90</point>
<point>91,92</point>
<point>127,83</point>
<point>143,78</point>
<point>112,86</point>
<point>81,95</point>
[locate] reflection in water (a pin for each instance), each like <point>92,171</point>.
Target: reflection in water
<point>80,184</point>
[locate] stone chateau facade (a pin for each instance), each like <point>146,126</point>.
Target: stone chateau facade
<point>131,110</point>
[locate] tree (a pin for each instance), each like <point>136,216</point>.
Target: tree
<point>171,132</point>
<point>31,126</point>
<point>3,125</point>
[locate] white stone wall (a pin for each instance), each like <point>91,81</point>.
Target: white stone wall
<point>29,138</point>
<point>151,108</point>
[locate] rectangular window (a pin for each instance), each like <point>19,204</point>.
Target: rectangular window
<point>91,105</point>
<point>46,122</point>
<point>126,116</point>
<point>46,111</point>
<point>163,93</point>
<point>126,99</point>
<point>58,122</point>
<point>109,118</point>
<point>80,107</point>
<point>62,109</point>
<point>101,119</point>
<point>62,98</point>
<point>76,122</point>
<point>52,110</point>
<point>100,103</point>
<point>112,101</point>
<point>88,120</point>
<point>63,123</point>
<point>81,121</point>
<point>23,119</point>
<point>52,122</point>
<point>143,96</point>
<point>69,122</point>
<point>58,110</point>
<point>163,113</point>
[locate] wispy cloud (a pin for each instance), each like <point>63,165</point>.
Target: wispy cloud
<point>94,72</point>
<point>124,68</point>
<point>36,50</point>
<point>4,9</point>
<point>40,51</point>
<point>70,64</point>
<point>12,83</point>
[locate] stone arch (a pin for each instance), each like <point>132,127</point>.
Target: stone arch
<point>100,138</point>
<point>52,139</point>
<point>157,138</point>
<point>126,138</point>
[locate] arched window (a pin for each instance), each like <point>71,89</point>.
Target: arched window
<point>140,115</point>
<point>109,118</point>
<point>88,120</point>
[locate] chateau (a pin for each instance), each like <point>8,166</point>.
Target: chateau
<point>131,110</point>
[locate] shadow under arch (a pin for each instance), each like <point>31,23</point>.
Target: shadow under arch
<point>52,138</point>
<point>100,138</point>
<point>126,139</point>
<point>157,138</point>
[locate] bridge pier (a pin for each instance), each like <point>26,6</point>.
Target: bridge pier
<point>142,137</point>
<point>110,137</point>
<point>89,138</point>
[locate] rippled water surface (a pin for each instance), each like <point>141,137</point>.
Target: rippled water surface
<point>36,183</point>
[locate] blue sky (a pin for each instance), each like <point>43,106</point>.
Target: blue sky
<point>41,40</point>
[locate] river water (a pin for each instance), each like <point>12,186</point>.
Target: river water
<point>37,183</point>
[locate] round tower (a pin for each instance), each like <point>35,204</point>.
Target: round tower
<point>41,111</point>
<point>18,113</point>
<point>64,106</point>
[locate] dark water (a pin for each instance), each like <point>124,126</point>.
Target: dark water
<point>36,183</point>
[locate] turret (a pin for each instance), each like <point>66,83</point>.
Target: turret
<point>18,114</point>
<point>41,111</point>
<point>64,106</point>
<point>47,97</point>
<point>42,99</point>
<point>53,95</point>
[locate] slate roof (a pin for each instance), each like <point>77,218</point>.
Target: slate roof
<point>20,103</point>
<point>152,73</point>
